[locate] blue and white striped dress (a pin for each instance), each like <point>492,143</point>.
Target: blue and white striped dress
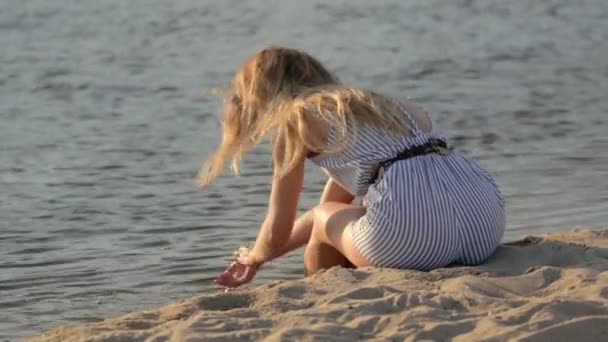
<point>425,212</point>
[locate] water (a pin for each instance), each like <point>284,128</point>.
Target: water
<point>106,115</point>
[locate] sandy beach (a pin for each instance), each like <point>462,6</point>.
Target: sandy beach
<point>552,287</point>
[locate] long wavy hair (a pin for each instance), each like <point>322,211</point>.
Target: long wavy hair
<point>289,96</point>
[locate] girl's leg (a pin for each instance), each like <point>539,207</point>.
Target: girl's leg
<point>302,229</point>
<point>331,241</point>
<point>300,234</point>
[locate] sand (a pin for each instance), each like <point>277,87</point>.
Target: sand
<point>548,288</point>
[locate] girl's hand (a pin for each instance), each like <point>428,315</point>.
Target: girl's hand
<point>240,272</point>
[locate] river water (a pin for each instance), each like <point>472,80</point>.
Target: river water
<point>107,111</point>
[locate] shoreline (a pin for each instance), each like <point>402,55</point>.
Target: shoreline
<point>549,287</point>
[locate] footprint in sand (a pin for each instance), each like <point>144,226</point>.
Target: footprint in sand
<point>292,291</point>
<point>225,302</point>
<point>365,293</point>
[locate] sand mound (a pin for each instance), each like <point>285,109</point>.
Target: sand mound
<point>549,288</point>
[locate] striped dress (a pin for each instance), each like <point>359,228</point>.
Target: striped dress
<point>425,212</point>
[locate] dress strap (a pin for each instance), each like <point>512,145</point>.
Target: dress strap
<point>433,145</point>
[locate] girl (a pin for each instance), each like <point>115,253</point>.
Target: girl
<point>424,206</point>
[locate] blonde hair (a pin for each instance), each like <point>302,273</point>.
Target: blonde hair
<point>287,95</point>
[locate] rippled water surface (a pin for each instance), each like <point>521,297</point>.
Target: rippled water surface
<point>106,115</point>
